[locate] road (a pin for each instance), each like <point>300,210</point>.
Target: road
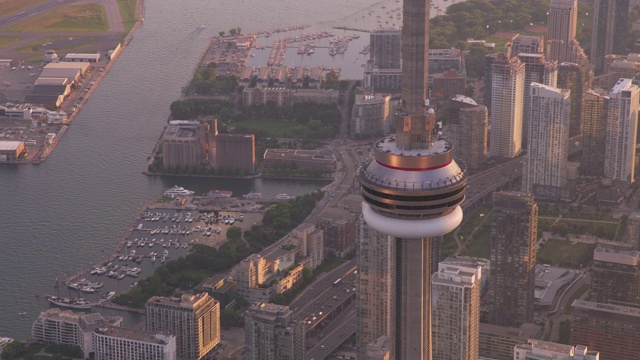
<point>334,335</point>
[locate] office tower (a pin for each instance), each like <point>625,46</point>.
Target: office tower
<point>633,230</point>
<point>525,44</point>
<point>622,125</point>
<point>507,101</point>
<point>545,350</point>
<point>193,319</point>
<point>382,72</point>
<point>455,306</point>
<point>272,333</point>
<point>117,343</point>
<point>609,30</point>
<point>64,327</point>
<point>578,79</point>
<point>468,130</point>
<point>615,277</point>
<point>613,330</point>
<point>412,192</point>
<point>370,115</point>
<point>514,236</point>
<point>595,109</point>
<point>340,227</point>
<point>562,22</point>
<point>384,45</point>
<point>545,163</point>
<point>538,70</point>
<point>374,287</point>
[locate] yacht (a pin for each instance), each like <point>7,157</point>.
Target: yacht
<point>253,195</point>
<point>178,191</point>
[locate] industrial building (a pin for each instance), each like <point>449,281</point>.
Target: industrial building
<point>73,57</point>
<point>185,144</point>
<point>236,152</point>
<point>70,70</point>
<point>11,151</point>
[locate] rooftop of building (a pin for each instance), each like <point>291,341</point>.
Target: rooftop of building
<point>389,145</point>
<point>10,145</point>
<point>67,65</point>
<point>525,332</point>
<point>547,346</point>
<point>629,311</point>
<point>87,322</point>
<point>365,99</point>
<point>182,132</point>
<point>622,85</point>
<point>548,282</point>
<point>186,301</point>
<point>336,215</point>
<point>456,275</point>
<point>620,256</point>
<point>270,312</point>
<point>464,99</point>
<point>547,90</point>
<point>132,334</point>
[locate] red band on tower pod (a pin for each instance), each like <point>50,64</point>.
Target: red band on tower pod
<point>414,169</point>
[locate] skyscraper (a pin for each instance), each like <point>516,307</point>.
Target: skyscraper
<point>193,319</point>
<point>546,161</point>
<point>412,192</point>
<point>622,125</point>
<point>563,19</point>
<point>609,30</point>
<point>514,236</point>
<point>272,333</point>
<point>374,287</point>
<point>456,312</point>
<point>536,69</point>
<point>468,130</point>
<point>595,108</point>
<point>615,276</point>
<point>578,79</point>
<point>524,44</point>
<point>507,101</point>
<point>385,48</point>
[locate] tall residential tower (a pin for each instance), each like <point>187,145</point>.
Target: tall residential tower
<point>412,192</point>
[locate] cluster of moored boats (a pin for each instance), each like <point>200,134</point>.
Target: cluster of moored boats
<point>86,286</point>
<point>115,271</point>
<point>282,29</point>
<point>338,45</point>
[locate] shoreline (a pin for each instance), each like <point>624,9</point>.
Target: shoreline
<point>39,158</point>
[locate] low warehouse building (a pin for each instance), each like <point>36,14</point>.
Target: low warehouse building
<point>11,150</point>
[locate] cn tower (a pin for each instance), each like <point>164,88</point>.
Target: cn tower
<point>412,191</point>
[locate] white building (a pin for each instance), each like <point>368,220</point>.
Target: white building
<point>64,327</point>
<point>546,159</point>
<point>455,313</point>
<point>507,101</point>
<point>370,115</point>
<point>544,350</point>
<point>622,123</point>
<point>115,343</point>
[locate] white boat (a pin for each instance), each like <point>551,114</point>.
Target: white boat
<point>4,341</point>
<point>253,195</point>
<point>219,194</point>
<point>283,197</point>
<point>178,191</point>
<point>163,259</point>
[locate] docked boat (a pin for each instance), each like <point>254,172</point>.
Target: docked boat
<point>219,194</point>
<point>74,303</point>
<point>178,191</point>
<point>107,296</point>
<point>253,195</point>
<point>283,197</point>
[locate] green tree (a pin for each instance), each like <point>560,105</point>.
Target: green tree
<point>221,33</point>
<point>229,317</point>
<point>234,233</point>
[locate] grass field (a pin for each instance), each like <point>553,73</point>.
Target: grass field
<point>12,6</point>
<point>564,253</point>
<point>73,18</point>
<point>274,128</point>
<point>480,247</point>
<point>128,13</point>
<point>6,41</point>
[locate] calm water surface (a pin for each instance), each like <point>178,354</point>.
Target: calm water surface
<point>67,213</point>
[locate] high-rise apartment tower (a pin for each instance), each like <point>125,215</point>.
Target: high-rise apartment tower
<point>563,19</point>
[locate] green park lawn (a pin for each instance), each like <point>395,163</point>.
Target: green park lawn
<point>73,18</point>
